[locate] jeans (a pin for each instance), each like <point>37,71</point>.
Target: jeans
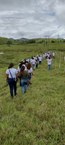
<point>12,86</point>
<point>49,67</point>
<point>24,85</point>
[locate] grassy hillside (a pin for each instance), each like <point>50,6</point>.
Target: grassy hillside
<point>38,117</point>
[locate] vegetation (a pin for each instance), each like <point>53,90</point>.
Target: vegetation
<point>38,117</point>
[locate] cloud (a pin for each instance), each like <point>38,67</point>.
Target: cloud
<point>32,18</point>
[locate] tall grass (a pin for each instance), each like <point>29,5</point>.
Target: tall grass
<point>38,117</point>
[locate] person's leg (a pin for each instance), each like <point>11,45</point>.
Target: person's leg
<point>22,86</point>
<point>48,67</point>
<point>15,87</point>
<point>11,87</point>
<point>26,84</point>
<point>23,89</point>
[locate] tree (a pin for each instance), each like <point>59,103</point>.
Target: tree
<point>9,42</point>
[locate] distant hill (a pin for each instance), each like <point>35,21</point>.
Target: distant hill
<point>10,41</point>
<point>23,39</point>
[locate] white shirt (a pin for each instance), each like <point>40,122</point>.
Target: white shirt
<point>33,61</point>
<point>30,70</point>
<point>11,72</point>
<point>49,61</point>
<point>40,58</point>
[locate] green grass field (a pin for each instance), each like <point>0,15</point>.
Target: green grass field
<point>38,117</point>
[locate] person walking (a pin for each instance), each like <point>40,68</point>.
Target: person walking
<point>24,79</point>
<point>49,61</point>
<point>11,76</point>
<point>30,72</point>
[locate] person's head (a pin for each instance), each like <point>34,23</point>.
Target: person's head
<point>28,65</point>
<point>11,65</point>
<point>20,64</point>
<point>22,68</point>
<point>49,57</point>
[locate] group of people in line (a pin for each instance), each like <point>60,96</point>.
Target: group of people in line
<point>24,72</point>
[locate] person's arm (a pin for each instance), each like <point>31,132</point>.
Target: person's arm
<point>17,74</point>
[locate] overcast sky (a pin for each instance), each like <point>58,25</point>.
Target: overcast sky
<point>32,18</point>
